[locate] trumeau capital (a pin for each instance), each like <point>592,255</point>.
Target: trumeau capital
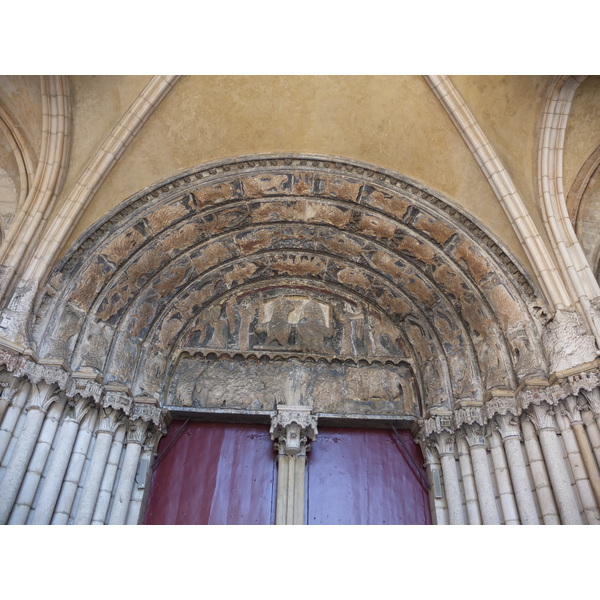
<point>541,416</point>
<point>508,426</point>
<point>291,428</point>
<point>571,409</point>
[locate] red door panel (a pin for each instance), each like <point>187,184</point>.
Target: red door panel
<point>365,476</point>
<point>213,474</point>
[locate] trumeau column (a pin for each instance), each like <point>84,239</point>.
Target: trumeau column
<point>470,420</point>
<point>439,431</point>
<point>291,429</point>
<point>508,427</point>
<point>60,460</point>
<point>541,415</point>
<point>110,422</point>
<point>41,398</point>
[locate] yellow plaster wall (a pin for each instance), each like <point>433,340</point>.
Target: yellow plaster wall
<point>582,136</point>
<point>393,122</point>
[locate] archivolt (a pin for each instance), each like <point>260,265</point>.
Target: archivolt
<point>122,301</point>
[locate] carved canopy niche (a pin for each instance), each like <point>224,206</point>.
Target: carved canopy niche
<point>379,295</point>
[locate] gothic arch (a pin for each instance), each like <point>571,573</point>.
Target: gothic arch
<point>457,309</point>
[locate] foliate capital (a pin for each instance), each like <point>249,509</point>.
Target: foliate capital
<point>291,429</point>
<point>110,420</point>
<point>508,426</point>
<point>571,409</point>
<point>593,398</point>
<point>541,416</point>
<point>78,409</point>
<point>136,434</point>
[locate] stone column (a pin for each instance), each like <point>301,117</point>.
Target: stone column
<point>6,396</point>
<point>11,416</point>
<point>539,473</point>
<point>508,427</point>
<point>572,412</point>
<point>110,421</point>
<point>483,480</point>
<point>40,400</point>
<point>37,464</point>
<point>68,490</point>
<point>505,490</point>
<point>59,462</point>
<point>110,475</point>
<point>439,431</point>
<point>439,510</point>
<point>468,481</point>
<point>593,432</point>
<point>593,398</point>
<point>291,429</point>
<point>135,440</point>
<point>542,418</point>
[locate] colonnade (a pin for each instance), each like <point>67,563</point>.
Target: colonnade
<point>529,459</point>
<point>71,457</point>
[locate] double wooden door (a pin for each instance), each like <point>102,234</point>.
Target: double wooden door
<point>214,473</point>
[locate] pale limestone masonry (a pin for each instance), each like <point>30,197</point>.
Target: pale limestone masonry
<point>435,284</point>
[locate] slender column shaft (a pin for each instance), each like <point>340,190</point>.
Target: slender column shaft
<point>32,478</point>
<point>56,472</point>
<point>508,427</point>
<point>18,462</point>
<point>485,489</point>
<point>120,506</point>
<point>589,461</point>
<point>507,498</point>
<point>437,502</point>
<point>452,488</point>
<point>40,401</point>
<point>64,504</point>
<point>567,505</point>
<point>468,481</point>
<point>108,480</point>
<point>11,417</point>
<point>593,433</point>
<point>93,480</point>
<point>540,475</point>
<point>520,480</point>
<point>582,482</point>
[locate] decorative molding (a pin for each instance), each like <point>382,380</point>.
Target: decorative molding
<point>291,428</point>
<point>117,398</point>
<point>468,415</point>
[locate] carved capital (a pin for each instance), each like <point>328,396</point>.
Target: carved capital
<point>118,400</point>
<point>502,405</point>
<point>12,361</point>
<point>147,409</point>
<point>437,424</point>
<point>37,373</point>
<point>508,426</point>
<point>85,384</point>
<point>78,408</point>
<point>136,434</point>
<point>42,395</point>
<point>541,416</point>
<point>110,420</point>
<point>593,398</point>
<point>536,395</point>
<point>571,408</point>
<point>291,428</point>
<point>468,415</point>
<point>443,442</point>
<point>474,434</point>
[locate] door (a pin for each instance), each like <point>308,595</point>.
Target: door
<point>366,476</point>
<point>213,474</point>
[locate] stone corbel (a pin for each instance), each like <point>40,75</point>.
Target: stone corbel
<point>291,429</point>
